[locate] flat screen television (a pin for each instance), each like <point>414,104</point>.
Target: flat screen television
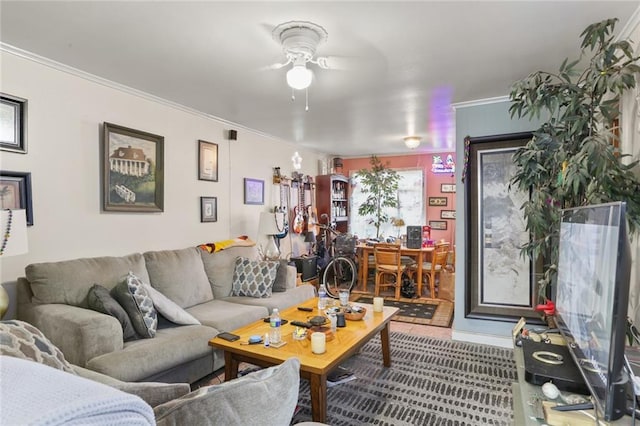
<point>592,294</point>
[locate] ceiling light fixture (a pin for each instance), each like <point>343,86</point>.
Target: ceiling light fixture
<point>299,40</point>
<point>412,142</point>
<point>299,77</point>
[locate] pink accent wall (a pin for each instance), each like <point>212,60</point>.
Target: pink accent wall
<point>432,187</point>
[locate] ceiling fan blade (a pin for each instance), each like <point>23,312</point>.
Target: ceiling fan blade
<point>274,66</point>
<point>340,63</point>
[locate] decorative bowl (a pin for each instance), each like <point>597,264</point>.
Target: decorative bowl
<point>317,320</point>
<point>352,315</point>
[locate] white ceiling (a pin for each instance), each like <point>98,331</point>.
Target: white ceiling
<point>410,60</point>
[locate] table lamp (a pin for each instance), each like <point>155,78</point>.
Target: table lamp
<point>268,226</point>
<point>14,242</point>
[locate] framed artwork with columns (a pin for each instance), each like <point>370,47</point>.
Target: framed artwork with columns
<point>133,170</point>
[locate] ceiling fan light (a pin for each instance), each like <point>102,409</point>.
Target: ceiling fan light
<point>299,77</point>
<point>412,142</point>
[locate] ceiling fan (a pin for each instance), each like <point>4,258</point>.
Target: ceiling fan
<point>299,40</point>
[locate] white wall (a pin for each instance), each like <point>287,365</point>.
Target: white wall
<point>65,116</point>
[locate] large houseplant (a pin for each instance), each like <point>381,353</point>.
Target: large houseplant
<point>380,186</point>
<point>572,159</point>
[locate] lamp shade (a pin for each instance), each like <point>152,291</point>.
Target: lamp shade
<point>269,223</point>
<point>299,77</point>
<point>14,232</point>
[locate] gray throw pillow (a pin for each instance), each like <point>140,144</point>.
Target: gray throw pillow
<point>101,301</point>
<point>253,278</point>
<point>169,309</point>
<point>135,300</point>
<point>20,339</point>
<point>267,397</point>
<point>280,284</point>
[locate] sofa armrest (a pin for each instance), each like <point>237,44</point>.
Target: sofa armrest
<point>81,334</point>
<point>153,393</point>
<point>292,274</point>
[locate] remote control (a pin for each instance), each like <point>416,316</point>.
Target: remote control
<point>302,308</point>
<point>301,324</point>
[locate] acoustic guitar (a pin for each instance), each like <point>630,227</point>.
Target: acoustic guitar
<point>299,211</point>
<point>312,211</point>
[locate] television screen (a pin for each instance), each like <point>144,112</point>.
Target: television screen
<point>592,292</point>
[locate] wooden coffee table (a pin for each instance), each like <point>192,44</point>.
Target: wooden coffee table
<point>315,368</point>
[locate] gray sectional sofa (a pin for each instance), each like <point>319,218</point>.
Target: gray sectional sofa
<point>53,297</point>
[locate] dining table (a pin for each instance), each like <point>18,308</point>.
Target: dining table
<point>365,250</point>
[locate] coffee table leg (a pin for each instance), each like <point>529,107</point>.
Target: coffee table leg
<point>230,366</point>
<point>318,385</point>
<point>384,340</point>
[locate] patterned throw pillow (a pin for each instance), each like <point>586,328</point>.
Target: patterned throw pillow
<point>135,300</point>
<point>22,340</point>
<point>101,301</point>
<point>253,278</point>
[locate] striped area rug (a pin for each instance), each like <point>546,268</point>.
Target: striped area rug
<point>430,382</point>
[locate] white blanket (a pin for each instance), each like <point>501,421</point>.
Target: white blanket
<point>35,394</point>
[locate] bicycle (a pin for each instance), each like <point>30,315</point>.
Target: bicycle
<point>338,253</point>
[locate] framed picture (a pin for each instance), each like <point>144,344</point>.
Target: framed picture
<point>13,124</point>
<point>15,192</point>
<point>207,161</point>
<point>447,187</point>
<point>438,201</point>
<point>438,225</point>
<point>208,209</point>
<point>500,283</point>
<point>447,214</point>
<point>133,170</point>
<point>253,191</point>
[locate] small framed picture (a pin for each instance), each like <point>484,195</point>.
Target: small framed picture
<point>15,192</point>
<point>13,124</point>
<point>207,161</point>
<point>253,191</point>
<point>447,187</point>
<point>447,214</point>
<point>439,225</point>
<point>208,209</point>
<point>438,201</point>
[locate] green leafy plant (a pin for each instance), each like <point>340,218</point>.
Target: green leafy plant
<point>572,159</point>
<point>380,186</point>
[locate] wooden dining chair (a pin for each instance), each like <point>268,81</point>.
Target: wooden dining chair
<point>388,265</point>
<point>431,269</point>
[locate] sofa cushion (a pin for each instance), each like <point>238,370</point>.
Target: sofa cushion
<point>253,277</point>
<point>136,301</point>
<point>179,275</point>
<point>219,267</point>
<point>101,301</point>
<point>69,281</point>
<point>168,309</point>
<point>20,339</point>
<point>227,316</point>
<point>280,283</point>
<point>142,359</point>
<point>267,397</point>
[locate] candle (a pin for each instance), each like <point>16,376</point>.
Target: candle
<point>318,343</point>
<point>378,302</point>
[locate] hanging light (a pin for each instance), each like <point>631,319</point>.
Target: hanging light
<point>299,76</point>
<point>297,161</point>
<point>412,142</point>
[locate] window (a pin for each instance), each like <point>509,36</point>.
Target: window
<point>410,206</point>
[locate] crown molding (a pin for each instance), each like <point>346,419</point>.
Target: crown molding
<point>478,102</point>
<point>7,48</point>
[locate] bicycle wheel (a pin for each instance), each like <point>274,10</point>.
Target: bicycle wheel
<point>340,274</point>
